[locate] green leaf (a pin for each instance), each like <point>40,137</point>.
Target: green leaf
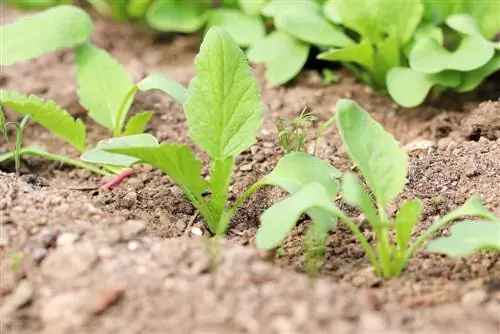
<point>311,27</point>
<point>3,123</point>
<point>472,79</point>
<point>464,24</point>
<point>280,218</point>
<point>409,88</point>
<point>223,108</point>
<point>387,56</point>
<point>295,170</point>
<point>428,56</point>
<point>178,16</point>
<point>485,13</point>
<point>355,194</point>
<point>361,53</point>
<point>49,115</point>
<point>59,27</point>
<point>468,237</point>
<point>101,156</point>
<point>274,7</point>
<point>138,8</point>
<point>243,28</point>
<point>283,55</point>
<point>378,155</point>
<point>157,81</point>
<point>220,178</point>
<point>137,123</point>
<point>408,215</point>
<point>105,89</point>
<point>252,7</point>
<point>179,163</point>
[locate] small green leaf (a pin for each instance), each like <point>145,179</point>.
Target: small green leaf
<point>223,109</point>
<point>273,7</point>
<point>59,27</point>
<point>100,156</point>
<point>311,27</point>
<point>408,215</point>
<point>243,28</point>
<point>355,194</point>
<point>179,16</point>
<point>409,88</point>
<point>105,89</point>
<point>464,24</point>
<point>297,169</point>
<point>138,8</point>
<point>428,56</point>
<point>361,53</point>
<point>468,237</point>
<point>280,218</point>
<point>49,115</point>
<point>378,155</point>
<point>472,79</point>
<point>252,7</point>
<point>157,81</point>
<point>137,123</point>
<point>283,55</point>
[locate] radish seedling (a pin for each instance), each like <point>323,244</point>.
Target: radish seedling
<point>223,112</point>
<point>384,166</point>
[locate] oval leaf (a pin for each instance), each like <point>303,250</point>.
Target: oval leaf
<point>157,81</point>
<point>223,109</point>
<point>173,15</point>
<point>378,155</point>
<point>243,28</point>
<point>59,27</point>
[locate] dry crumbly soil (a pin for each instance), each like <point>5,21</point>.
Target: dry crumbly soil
<point>125,261</point>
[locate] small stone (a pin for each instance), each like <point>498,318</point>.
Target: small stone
<point>48,237</point>
<point>474,298</point>
<point>105,298</point>
<point>196,232</point>
<point>129,200</point>
<point>246,167</point>
<point>132,229</point>
<point>4,237</point>
<point>133,245</point>
<point>420,146</point>
<point>38,254</point>
<point>69,262</point>
<point>66,239</point>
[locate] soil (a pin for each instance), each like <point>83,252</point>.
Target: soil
<point>76,258</point>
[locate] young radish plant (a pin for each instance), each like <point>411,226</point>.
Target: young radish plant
<point>105,89</point>
<point>223,111</point>
<point>383,165</point>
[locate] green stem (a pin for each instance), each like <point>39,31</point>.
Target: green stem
<point>55,157</point>
<point>383,244</point>
<point>364,243</point>
<point>243,197</point>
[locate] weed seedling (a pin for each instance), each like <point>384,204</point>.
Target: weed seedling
<point>383,165</point>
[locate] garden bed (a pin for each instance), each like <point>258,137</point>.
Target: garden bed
<point>127,260</point>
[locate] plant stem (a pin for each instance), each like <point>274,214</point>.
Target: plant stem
<point>243,197</point>
<point>383,244</point>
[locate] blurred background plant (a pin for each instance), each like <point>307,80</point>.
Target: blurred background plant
<point>408,49</point>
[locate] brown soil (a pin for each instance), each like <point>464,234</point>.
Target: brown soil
<point>126,261</point>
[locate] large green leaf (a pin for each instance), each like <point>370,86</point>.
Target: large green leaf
<point>49,115</point>
<point>59,27</point>
<point>243,28</point>
<point>99,155</point>
<point>105,89</point>
<point>387,56</point>
<point>173,15</point>
<point>409,88</point>
<point>468,237</point>
<point>295,170</point>
<point>252,7</point>
<point>223,109</point>
<point>311,27</point>
<point>283,55</point>
<point>280,218</point>
<point>472,79</point>
<point>428,56</point>
<point>361,53</point>
<point>378,155</point>
<point>157,81</point>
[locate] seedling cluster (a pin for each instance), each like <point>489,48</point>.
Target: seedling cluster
<point>224,110</point>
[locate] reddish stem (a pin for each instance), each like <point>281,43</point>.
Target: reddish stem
<point>115,181</point>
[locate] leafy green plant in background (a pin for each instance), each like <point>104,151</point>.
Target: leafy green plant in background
<point>383,165</point>
<point>223,112</point>
<point>105,89</point>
